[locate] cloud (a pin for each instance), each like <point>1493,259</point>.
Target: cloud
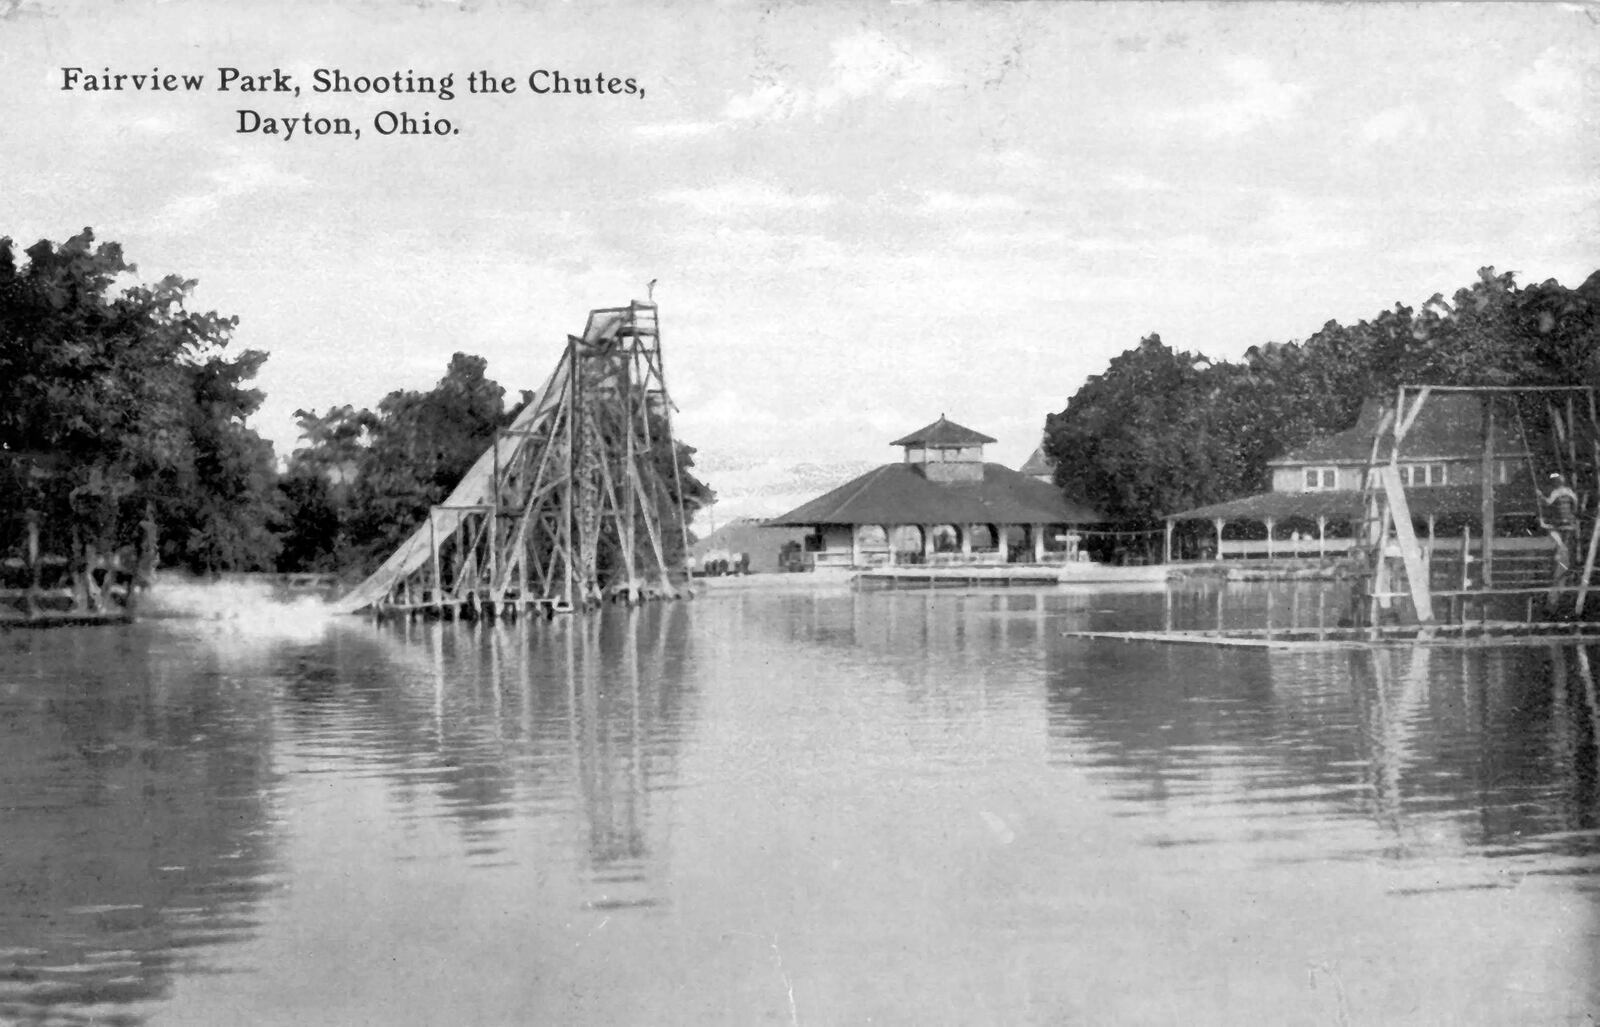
<point>1254,96</point>
<point>746,194</point>
<point>1394,123</point>
<point>719,251</point>
<point>1296,225</point>
<point>154,125</point>
<point>1012,160</point>
<point>771,102</point>
<point>868,63</point>
<point>865,65</point>
<point>244,176</point>
<point>941,201</point>
<point>1136,182</point>
<point>1550,94</point>
<point>677,129</point>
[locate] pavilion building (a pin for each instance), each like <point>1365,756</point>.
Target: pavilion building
<point>1317,503</point>
<point>940,503</point>
<point>1039,465</point>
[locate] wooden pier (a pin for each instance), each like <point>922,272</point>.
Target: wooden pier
<point>1010,575</point>
<point>63,618</point>
<point>1476,634</point>
<point>999,576</point>
<point>45,590</point>
<point>1503,582</point>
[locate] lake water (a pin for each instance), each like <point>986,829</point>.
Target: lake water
<point>813,807</point>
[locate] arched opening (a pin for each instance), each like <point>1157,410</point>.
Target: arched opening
<point>906,541</point>
<point>871,545</point>
<point>946,538</point>
<point>872,536</point>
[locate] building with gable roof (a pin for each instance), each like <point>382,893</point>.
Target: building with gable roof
<point>941,502</point>
<point>1317,504</point>
<point>1040,466</point>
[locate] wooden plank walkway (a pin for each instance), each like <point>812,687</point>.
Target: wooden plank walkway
<point>1000,577</point>
<point>1013,575</point>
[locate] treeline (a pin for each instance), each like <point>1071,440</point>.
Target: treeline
<point>364,479</point>
<point>122,415</point>
<point>1163,430</point>
<point>120,407</point>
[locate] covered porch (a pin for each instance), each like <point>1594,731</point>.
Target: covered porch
<point>1326,525</point>
<point>940,544</point>
<point>946,511</point>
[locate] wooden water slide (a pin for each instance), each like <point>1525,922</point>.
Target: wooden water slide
<point>571,475</point>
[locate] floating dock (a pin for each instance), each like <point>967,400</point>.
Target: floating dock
<point>1018,575</point>
<point>20,608</point>
<point>66,619</point>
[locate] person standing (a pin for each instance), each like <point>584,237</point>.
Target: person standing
<point>1562,523</point>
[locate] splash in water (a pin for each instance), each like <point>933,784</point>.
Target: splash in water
<point>246,605</point>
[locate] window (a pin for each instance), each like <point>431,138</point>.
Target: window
<point>1319,479</point>
<point>1413,475</point>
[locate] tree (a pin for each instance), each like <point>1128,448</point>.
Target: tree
<point>1138,438</point>
<point>421,445</point>
<point>228,504</point>
<point>1161,431</point>
<point>116,399</point>
<point>365,480</point>
<point>310,527</point>
<point>316,493</point>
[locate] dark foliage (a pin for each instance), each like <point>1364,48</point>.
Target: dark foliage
<point>1161,430</point>
<point>364,480</point>
<point>115,399</point>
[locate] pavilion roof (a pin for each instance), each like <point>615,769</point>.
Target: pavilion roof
<point>902,494</point>
<point>1450,427</point>
<point>943,433</point>
<point>1037,464</point>
<point>1513,500</point>
<point>747,534</point>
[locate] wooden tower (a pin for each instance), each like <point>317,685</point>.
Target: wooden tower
<point>567,507</point>
<point>1559,432</point>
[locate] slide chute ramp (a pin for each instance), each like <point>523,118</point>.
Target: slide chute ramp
<point>578,472</point>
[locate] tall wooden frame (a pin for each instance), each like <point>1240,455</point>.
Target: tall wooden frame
<point>1568,416</point>
<point>565,508</point>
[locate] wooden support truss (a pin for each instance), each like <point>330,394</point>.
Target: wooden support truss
<point>570,504</point>
<point>1559,432</point>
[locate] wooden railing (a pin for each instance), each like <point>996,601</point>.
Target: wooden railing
<point>1286,549</point>
<point>1282,548</point>
<point>880,557</point>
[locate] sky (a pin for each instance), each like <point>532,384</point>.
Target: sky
<point>860,216</point>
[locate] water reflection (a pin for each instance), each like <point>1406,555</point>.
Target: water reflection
<point>1440,750</point>
<point>1497,746</point>
<point>153,776</point>
<point>494,723</point>
<point>1436,748</point>
<point>137,813</point>
<point>898,806</point>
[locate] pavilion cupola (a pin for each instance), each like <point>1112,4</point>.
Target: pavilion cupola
<point>946,451</point>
